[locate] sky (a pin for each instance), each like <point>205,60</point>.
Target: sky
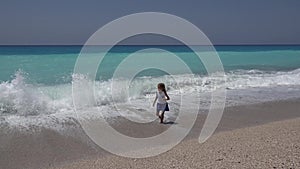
<point>225,22</point>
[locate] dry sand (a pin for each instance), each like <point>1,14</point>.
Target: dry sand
<point>272,145</point>
<point>263,135</point>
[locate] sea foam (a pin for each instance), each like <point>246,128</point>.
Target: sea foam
<point>26,104</point>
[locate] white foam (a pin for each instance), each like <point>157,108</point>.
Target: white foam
<point>23,105</point>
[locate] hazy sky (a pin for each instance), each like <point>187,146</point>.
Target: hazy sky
<point>224,21</point>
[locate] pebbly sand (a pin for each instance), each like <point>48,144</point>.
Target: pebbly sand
<point>265,135</point>
<point>272,145</point>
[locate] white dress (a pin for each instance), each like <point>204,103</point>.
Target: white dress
<point>161,97</point>
<point>161,103</point>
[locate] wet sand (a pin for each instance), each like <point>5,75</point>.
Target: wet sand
<point>263,135</point>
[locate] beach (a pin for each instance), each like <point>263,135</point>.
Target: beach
<point>150,85</point>
<point>264,135</point>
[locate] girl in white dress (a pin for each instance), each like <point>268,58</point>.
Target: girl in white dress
<point>162,104</point>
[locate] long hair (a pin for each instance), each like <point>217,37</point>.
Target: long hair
<point>162,86</point>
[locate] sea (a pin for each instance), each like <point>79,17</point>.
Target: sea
<point>36,82</point>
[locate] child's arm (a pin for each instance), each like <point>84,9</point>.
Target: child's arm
<point>154,100</point>
<point>168,98</point>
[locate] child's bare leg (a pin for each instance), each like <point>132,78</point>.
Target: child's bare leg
<point>160,113</point>
<point>162,117</point>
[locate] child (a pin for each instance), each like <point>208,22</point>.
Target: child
<point>162,104</point>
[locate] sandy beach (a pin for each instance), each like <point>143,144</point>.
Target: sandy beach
<point>264,135</point>
<point>272,145</point>
<point>150,84</point>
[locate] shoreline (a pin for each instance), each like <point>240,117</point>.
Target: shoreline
<point>52,149</point>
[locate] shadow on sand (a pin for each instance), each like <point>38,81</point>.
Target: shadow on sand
<point>169,122</point>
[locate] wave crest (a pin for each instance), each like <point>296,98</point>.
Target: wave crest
<point>21,98</point>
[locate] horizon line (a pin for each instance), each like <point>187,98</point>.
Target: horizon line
<point>246,44</point>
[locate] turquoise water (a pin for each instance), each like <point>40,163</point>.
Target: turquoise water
<point>52,65</point>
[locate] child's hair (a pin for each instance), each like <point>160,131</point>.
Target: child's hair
<point>162,86</point>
